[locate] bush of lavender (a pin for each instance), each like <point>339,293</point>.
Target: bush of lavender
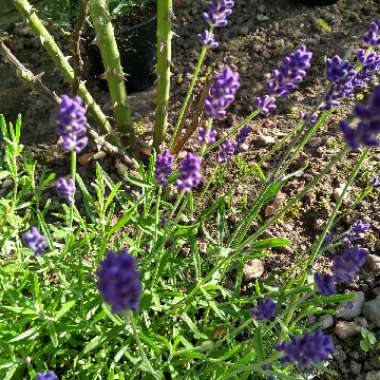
<point>141,279</point>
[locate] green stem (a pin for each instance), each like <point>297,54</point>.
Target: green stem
<point>106,41</point>
<point>164,52</point>
<point>201,59</point>
<point>28,13</point>
<point>318,244</point>
<point>140,347</point>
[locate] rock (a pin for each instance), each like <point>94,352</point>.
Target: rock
<point>345,330</point>
<point>373,263</point>
<point>355,367</point>
<point>265,140</point>
<point>338,192</point>
<point>371,311</point>
<point>373,375</point>
<point>278,202</point>
<point>339,354</point>
<point>326,321</point>
<point>253,269</point>
<point>350,310</point>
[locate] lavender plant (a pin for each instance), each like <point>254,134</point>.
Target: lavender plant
<point>140,278</point>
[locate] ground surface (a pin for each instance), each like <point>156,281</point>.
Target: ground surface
<point>260,33</point>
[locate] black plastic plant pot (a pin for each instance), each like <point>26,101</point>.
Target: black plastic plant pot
<point>319,2</point>
<point>137,47</point>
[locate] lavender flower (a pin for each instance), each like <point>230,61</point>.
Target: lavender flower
<point>325,284</point>
<point>189,176</point>
<point>375,182</point>
<point>368,125</point>
<point>119,281</point>
<point>218,12</point>
<point>341,75</point>
<point>207,138</point>
<point>48,375</point>
<point>306,349</point>
<point>266,103</point>
<point>291,73</point>
<point>265,310</point>
<point>71,123</point>
<point>66,189</point>
<point>222,93</point>
<point>356,232</point>
<point>305,116</point>
<point>207,38</point>
<point>370,65</point>
<point>226,150</point>
<point>346,266</point>
<point>35,241</point>
<point>163,166</point>
<point>242,136</point>
<point>372,38</point>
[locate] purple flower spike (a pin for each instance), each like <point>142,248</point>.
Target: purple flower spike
<point>218,12</point>
<point>325,284</point>
<point>208,138</point>
<point>266,103</point>
<point>292,72</point>
<point>71,123</point>
<point>368,126</point>
<point>375,182</point>
<point>356,232</point>
<point>222,93</point>
<point>370,65</point>
<point>265,310</point>
<point>119,281</point>
<point>48,375</point>
<point>226,150</point>
<point>190,176</point>
<point>163,166</point>
<point>207,38</point>
<point>66,189</point>
<point>242,136</point>
<point>35,241</point>
<point>341,75</point>
<point>372,38</point>
<point>346,266</point>
<point>306,349</point>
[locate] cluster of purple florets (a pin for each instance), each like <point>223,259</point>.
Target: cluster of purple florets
<point>71,123</point>
<point>48,375</point>
<point>229,148</point>
<point>306,349</point>
<point>216,16</point>
<point>375,182</point>
<point>356,232</point>
<point>222,93</point>
<point>206,136</point>
<point>163,166</point>
<point>189,174</point>
<point>368,124</point>
<point>286,78</point>
<point>35,241</point>
<point>66,189</point>
<point>345,267</point>
<point>265,310</point>
<point>372,38</point>
<point>119,281</point>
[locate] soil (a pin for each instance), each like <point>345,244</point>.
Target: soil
<point>260,33</point>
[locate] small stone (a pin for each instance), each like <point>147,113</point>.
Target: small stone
<point>339,354</point>
<point>253,269</point>
<point>355,367</point>
<point>265,140</point>
<point>373,375</point>
<point>350,310</point>
<point>338,192</point>
<point>326,321</point>
<point>262,18</point>
<point>373,263</point>
<point>346,330</point>
<point>7,183</point>
<point>278,202</point>
<point>371,311</point>
<point>315,142</point>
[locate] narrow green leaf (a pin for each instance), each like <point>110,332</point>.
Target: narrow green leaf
<point>64,309</point>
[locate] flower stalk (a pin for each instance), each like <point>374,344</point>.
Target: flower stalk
<point>164,52</point>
